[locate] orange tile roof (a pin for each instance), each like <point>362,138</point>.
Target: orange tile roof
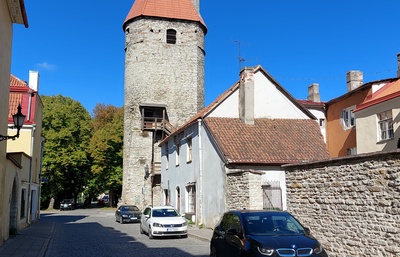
<point>19,94</point>
<point>389,91</point>
<point>173,9</point>
<point>268,141</point>
<point>16,82</point>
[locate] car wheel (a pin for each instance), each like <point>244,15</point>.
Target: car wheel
<point>141,229</point>
<point>150,233</point>
<point>121,220</point>
<point>213,251</point>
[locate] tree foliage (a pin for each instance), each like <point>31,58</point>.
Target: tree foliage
<point>106,148</point>
<point>67,133</point>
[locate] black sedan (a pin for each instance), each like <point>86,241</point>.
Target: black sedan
<point>127,213</point>
<point>263,233</point>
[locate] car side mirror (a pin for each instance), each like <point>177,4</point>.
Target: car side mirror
<point>307,231</point>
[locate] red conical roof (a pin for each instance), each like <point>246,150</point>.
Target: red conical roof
<point>173,9</point>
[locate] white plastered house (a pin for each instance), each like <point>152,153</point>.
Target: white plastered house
<point>229,155</point>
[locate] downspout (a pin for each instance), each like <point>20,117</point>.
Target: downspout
<point>30,176</point>
<point>200,173</point>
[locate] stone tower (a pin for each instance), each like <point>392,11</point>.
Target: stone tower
<point>163,87</point>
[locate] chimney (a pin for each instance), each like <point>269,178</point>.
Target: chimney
<point>246,96</point>
<point>398,65</point>
<point>313,93</point>
<point>34,80</point>
<point>354,79</point>
<point>196,4</point>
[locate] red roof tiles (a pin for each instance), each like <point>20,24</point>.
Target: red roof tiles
<point>268,141</point>
<point>173,9</point>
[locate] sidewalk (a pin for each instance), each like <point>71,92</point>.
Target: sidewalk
<point>33,240</point>
<point>29,242</point>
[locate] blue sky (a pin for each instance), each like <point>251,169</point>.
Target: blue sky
<point>78,46</point>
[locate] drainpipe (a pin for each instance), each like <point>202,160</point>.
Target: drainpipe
<point>200,173</point>
<point>30,176</point>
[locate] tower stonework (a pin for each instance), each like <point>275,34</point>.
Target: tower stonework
<point>163,87</point>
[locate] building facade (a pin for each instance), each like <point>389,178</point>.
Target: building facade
<point>163,87</point>
<point>229,155</point>
<point>10,12</point>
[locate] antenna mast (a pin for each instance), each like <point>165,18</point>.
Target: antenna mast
<point>240,59</point>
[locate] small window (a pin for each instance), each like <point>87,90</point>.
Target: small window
<point>322,123</point>
<point>347,118</point>
<point>166,156</point>
<point>177,148</point>
<point>352,151</point>
<point>171,36</point>
<point>189,149</point>
<point>385,125</point>
<point>23,203</point>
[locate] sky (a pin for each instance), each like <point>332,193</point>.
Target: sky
<point>78,46</point>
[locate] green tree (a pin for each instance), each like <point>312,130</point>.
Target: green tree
<point>67,133</point>
<point>106,150</point>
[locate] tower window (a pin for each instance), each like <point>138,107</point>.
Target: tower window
<point>171,36</point>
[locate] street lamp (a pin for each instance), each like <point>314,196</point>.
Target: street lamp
<point>18,123</point>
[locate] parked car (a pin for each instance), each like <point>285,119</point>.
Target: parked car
<point>127,213</point>
<point>162,221</point>
<point>262,233</point>
<point>67,204</point>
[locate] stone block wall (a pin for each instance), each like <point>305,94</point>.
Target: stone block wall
<point>244,190</point>
<point>351,204</point>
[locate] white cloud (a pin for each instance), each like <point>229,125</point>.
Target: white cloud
<point>47,66</point>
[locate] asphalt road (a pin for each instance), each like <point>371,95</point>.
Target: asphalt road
<point>94,232</point>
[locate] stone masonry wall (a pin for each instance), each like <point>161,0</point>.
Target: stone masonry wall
<point>351,204</point>
<point>244,190</point>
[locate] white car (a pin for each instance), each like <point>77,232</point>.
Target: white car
<point>162,221</point>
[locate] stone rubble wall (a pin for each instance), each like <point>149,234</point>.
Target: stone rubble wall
<point>351,204</point>
<point>244,190</point>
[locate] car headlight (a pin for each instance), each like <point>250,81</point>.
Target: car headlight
<point>124,215</point>
<point>155,224</point>
<point>184,223</point>
<point>317,249</point>
<point>265,251</point>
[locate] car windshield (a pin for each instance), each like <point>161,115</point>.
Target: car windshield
<point>165,213</point>
<point>271,224</point>
<point>66,201</point>
<point>130,208</point>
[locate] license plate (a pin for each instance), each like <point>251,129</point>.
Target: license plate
<point>171,229</point>
<point>133,218</point>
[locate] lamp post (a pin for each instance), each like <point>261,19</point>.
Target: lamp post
<point>18,123</point>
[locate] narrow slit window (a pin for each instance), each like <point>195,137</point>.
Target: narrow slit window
<point>171,36</point>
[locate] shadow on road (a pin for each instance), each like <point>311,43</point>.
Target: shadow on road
<point>74,237</point>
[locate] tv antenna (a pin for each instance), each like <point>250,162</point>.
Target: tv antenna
<point>240,59</point>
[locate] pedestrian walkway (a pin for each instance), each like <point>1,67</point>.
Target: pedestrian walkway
<point>34,240</point>
<point>29,242</point>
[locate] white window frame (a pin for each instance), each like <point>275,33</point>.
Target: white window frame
<point>189,145</point>
<point>347,118</point>
<point>385,125</point>
<point>191,198</point>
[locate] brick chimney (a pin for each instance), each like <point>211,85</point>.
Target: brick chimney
<point>313,93</point>
<point>398,65</point>
<point>246,95</point>
<point>354,79</point>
